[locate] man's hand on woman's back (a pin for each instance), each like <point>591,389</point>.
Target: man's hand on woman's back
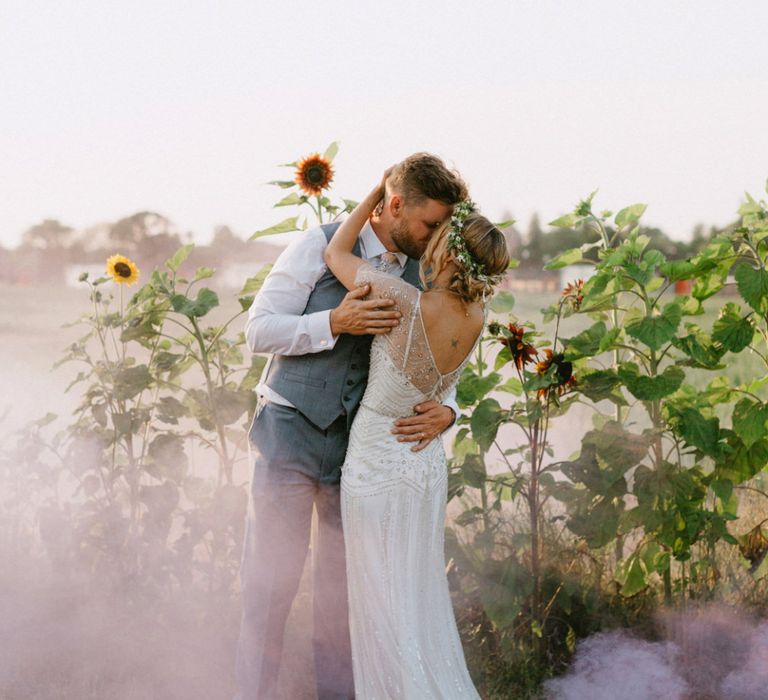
<point>358,317</point>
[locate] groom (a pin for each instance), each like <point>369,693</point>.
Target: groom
<point>320,337</point>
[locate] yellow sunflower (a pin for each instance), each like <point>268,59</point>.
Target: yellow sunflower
<point>313,174</point>
<point>122,269</point>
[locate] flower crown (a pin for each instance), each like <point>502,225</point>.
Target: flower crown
<point>458,245</point>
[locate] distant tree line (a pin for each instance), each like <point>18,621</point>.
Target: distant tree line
<point>149,238</point>
<point>47,248</point>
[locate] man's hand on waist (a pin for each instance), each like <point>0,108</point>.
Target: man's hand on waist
<point>358,317</point>
<point>430,421</point>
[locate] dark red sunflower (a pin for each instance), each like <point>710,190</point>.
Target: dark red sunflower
<point>563,373</point>
<point>574,293</point>
<point>754,546</point>
<point>313,174</point>
<point>523,352</point>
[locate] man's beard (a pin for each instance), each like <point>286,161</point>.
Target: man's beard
<point>402,238</point>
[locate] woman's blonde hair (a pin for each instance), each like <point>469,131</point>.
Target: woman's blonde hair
<point>487,246</point>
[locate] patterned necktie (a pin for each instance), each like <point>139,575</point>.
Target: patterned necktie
<point>387,262</point>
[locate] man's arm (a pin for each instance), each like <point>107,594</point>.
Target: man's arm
<point>450,402</point>
<point>276,320</point>
<point>431,420</point>
<point>339,254</point>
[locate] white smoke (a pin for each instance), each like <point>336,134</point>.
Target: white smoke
<point>750,682</point>
<point>713,653</point>
<point>614,665</point>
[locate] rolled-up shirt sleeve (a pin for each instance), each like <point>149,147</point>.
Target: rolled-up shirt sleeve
<point>450,401</point>
<point>276,320</point>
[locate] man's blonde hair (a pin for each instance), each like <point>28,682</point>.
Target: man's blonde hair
<point>423,176</point>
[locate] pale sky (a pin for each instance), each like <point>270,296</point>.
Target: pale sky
<point>186,108</point>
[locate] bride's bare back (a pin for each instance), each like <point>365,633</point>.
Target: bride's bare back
<point>431,345</point>
<point>451,328</point>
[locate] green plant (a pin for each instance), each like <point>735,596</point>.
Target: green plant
<point>157,383</point>
<point>668,486</point>
<point>313,177</point>
<point>510,570</point>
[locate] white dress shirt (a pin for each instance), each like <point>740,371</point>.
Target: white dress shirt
<point>276,323</point>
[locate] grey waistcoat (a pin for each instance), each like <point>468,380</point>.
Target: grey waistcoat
<point>331,383</point>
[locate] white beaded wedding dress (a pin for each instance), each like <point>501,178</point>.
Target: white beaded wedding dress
<point>405,643</point>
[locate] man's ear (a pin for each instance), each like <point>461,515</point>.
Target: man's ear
<point>395,204</point>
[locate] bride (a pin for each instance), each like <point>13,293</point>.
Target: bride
<point>405,643</point>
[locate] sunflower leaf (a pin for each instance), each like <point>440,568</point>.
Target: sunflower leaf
<point>130,381</point>
<point>174,262</point>
<point>654,331</point>
<point>284,184</point>
<point>749,420</point>
<point>699,431</point>
<point>650,388</point>
<point>203,273</point>
<point>568,257</point>
<point>753,286</point>
<point>290,224</point>
<point>503,302</point>
<point>630,215</point>
<point>732,330</point>
<point>486,419</point>
<point>566,221</point>
<point>292,198</point>
<point>206,300</point>
<point>331,151</point>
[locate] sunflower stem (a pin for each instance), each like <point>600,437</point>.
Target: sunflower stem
<point>122,323</point>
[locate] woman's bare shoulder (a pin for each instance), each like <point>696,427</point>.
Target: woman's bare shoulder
<point>440,309</point>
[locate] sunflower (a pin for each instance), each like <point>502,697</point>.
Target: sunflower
<point>754,546</point>
<point>522,352</point>
<point>574,293</point>
<point>564,378</point>
<point>122,269</point>
<point>313,174</point>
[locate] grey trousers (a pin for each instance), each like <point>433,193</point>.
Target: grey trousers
<point>296,467</point>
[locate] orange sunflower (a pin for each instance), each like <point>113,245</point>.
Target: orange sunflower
<point>522,351</point>
<point>314,174</point>
<point>574,293</point>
